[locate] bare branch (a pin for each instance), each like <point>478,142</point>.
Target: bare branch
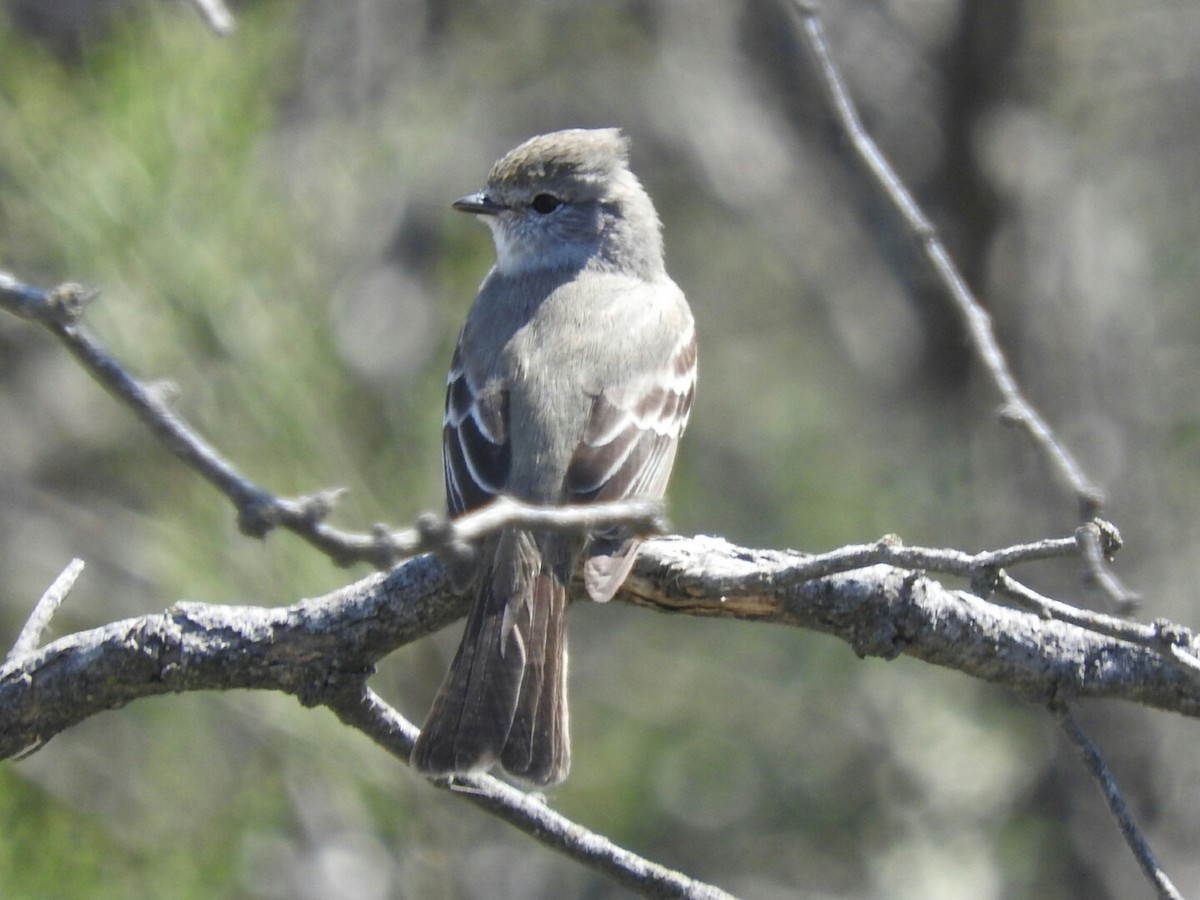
<point>1187,660</point>
<point>1094,543</point>
<point>63,305</point>
<point>1016,409</point>
<point>1093,760</point>
<point>322,651</point>
<point>979,324</point>
<point>1096,555</point>
<point>986,571</point>
<point>453,537</point>
<point>39,620</point>
<point>366,711</point>
<point>890,550</point>
<point>315,647</point>
<point>1136,633</point>
<point>258,510</point>
<point>884,611</point>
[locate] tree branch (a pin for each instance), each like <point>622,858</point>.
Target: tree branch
<point>1016,409</point>
<point>323,650</point>
<point>259,511</point>
<point>313,648</point>
<point>39,620</point>
<point>366,711</point>
<point>1094,762</point>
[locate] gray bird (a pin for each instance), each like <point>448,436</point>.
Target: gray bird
<point>571,383</point>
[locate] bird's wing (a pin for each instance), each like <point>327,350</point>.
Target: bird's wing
<point>475,449</point>
<point>627,450</point>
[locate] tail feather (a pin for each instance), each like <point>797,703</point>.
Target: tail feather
<point>504,698</point>
<point>472,713</point>
<point>538,746</point>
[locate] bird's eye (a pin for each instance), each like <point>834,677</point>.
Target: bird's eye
<point>545,204</point>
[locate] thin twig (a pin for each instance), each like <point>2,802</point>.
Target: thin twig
<point>43,611</point>
<point>1164,637</point>
<point>64,304</point>
<point>1187,661</point>
<point>891,551</point>
<point>643,515</point>
<point>976,318</point>
<point>1134,632</point>
<point>366,711</point>
<point>986,572</point>
<point>1093,760</point>
<point>1016,409</point>
<point>59,310</point>
<point>1096,558</point>
<point>258,510</point>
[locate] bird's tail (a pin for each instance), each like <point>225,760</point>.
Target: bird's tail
<point>504,699</point>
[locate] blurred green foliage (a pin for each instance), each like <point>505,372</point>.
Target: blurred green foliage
<point>142,168</point>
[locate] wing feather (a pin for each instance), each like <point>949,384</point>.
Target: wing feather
<point>475,450</point>
<point>627,450</point>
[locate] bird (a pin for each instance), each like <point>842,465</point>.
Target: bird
<point>572,381</point>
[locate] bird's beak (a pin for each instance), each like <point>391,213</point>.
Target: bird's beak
<point>480,204</point>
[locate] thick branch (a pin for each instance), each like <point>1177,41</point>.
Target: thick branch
<point>312,649</point>
<point>885,611</point>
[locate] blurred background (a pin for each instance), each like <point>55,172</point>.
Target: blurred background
<point>268,218</point>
